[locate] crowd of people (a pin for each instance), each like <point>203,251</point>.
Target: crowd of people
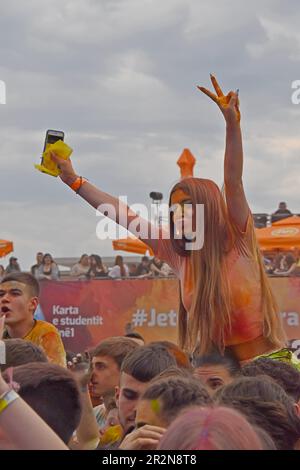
<point>125,394</point>
<point>92,267</point>
<point>283,263</point>
<point>128,395</point>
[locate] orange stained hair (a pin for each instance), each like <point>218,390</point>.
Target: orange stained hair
<point>181,357</point>
<point>209,319</point>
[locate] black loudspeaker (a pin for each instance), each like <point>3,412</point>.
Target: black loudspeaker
<point>155,196</point>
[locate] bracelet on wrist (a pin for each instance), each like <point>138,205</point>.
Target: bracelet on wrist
<point>7,398</point>
<point>4,393</point>
<point>78,183</point>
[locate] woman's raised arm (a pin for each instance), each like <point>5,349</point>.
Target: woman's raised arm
<point>116,209</point>
<point>233,163</point>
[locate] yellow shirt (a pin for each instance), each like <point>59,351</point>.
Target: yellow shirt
<point>46,336</point>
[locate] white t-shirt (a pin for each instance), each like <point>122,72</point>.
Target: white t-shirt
<point>116,271</point>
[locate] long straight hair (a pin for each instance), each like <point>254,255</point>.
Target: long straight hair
<point>208,322</point>
<point>119,262</point>
<point>98,261</point>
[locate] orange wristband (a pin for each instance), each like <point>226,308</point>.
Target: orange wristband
<point>76,185</point>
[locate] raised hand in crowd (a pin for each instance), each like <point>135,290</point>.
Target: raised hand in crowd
<point>80,366</point>
<point>228,104</point>
<point>87,434</point>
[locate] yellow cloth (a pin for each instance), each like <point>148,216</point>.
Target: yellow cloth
<point>112,435</point>
<point>46,336</point>
<point>283,355</point>
<point>48,166</point>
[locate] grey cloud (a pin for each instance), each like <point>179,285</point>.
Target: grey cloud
<point>120,78</point>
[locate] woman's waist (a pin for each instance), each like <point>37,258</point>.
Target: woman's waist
<point>250,349</point>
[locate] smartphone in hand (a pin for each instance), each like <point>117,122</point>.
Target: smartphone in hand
<point>47,164</point>
<point>55,139</point>
<point>52,137</point>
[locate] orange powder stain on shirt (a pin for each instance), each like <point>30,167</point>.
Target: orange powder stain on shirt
<point>244,281</point>
<point>46,336</point>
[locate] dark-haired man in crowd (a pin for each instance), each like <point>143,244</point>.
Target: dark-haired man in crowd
<point>284,373</point>
<point>165,398</point>
<point>52,392</point>
<point>107,359</point>
<point>215,370</point>
<point>137,370</point>
<point>19,298</point>
<point>143,269</point>
<point>39,262</point>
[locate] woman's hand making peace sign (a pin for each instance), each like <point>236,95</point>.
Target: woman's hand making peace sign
<point>228,104</point>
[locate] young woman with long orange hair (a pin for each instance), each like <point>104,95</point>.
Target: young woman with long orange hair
<point>226,299</point>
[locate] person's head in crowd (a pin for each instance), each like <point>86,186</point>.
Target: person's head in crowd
<point>96,262</point>
<point>164,399</point>
<point>13,265</point>
<point>182,359</point>
<point>137,370</point>
<point>107,358</point>
<point>13,261</point>
<point>19,352</point>
<point>157,262</point>
<point>282,206</point>
<point>286,375</point>
<point>211,428</point>
<point>145,261</point>
<point>215,370</point>
<point>47,259</point>
<point>52,392</point>
<point>84,260</point>
<point>19,298</point>
<point>136,337</point>
<point>39,258</point>
<point>265,404</point>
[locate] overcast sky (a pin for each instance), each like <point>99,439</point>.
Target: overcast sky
<point>119,77</point>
